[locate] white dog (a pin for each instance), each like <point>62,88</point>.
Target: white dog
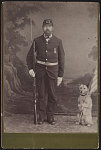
<point>85,106</point>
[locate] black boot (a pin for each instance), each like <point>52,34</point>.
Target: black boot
<point>40,120</point>
<point>51,120</point>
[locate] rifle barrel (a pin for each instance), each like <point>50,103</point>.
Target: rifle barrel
<point>35,101</point>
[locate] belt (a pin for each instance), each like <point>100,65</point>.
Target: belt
<point>47,63</point>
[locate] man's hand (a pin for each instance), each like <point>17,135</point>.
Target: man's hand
<point>59,80</point>
<point>32,73</point>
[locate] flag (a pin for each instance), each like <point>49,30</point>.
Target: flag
<point>93,83</point>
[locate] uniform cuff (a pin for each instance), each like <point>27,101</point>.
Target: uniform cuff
<point>60,74</point>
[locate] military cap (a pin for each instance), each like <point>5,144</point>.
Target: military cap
<point>47,21</point>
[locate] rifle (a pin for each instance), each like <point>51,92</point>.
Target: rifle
<point>35,100</point>
<point>34,82</point>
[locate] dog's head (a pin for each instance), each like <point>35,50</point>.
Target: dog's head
<point>83,89</point>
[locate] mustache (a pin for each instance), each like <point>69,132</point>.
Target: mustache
<point>47,30</point>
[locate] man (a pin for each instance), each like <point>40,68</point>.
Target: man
<point>48,69</point>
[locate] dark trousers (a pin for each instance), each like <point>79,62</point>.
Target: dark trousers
<point>46,88</point>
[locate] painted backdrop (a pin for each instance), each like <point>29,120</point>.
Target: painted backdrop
<point>75,23</point>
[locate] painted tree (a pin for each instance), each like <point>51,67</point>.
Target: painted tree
<point>16,17</point>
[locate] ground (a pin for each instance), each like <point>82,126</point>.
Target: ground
<point>23,123</point>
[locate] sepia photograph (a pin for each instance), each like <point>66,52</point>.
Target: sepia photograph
<point>50,67</point>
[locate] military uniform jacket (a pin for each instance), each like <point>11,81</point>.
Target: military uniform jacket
<point>47,52</point>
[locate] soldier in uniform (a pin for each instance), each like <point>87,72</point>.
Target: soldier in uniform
<point>48,68</point>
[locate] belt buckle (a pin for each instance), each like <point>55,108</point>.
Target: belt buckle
<point>46,63</point>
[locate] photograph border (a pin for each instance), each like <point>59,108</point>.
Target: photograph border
<point>47,140</point>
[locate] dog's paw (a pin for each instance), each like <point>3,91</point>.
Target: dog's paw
<point>88,125</point>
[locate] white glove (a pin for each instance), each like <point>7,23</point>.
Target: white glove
<point>32,73</point>
<point>59,80</point>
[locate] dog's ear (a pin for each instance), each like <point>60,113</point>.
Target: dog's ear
<point>79,86</point>
<point>87,85</point>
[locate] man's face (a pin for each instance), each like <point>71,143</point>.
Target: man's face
<point>47,29</point>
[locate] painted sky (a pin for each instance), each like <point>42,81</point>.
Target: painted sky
<point>76,24</point>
